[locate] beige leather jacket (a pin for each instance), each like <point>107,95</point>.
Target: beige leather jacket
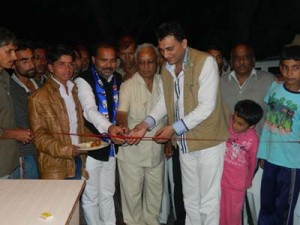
<point>49,122</point>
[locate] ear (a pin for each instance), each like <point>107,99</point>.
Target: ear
<point>50,68</point>
<point>184,43</point>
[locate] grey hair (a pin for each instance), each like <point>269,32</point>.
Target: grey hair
<point>6,36</point>
<point>145,45</point>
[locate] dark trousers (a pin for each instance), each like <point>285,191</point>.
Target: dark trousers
<point>178,196</point>
<point>78,166</point>
<point>279,193</point>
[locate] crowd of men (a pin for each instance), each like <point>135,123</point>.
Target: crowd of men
<point>164,122</point>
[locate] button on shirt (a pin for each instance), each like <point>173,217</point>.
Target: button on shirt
<point>207,94</point>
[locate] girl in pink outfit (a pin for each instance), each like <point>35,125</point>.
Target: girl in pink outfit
<point>239,160</point>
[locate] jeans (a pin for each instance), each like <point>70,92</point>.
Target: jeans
<point>29,169</point>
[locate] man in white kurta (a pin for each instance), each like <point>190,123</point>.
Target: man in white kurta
<point>141,166</point>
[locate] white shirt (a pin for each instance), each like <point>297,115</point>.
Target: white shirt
<point>207,94</point>
<point>71,108</point>
<point>137,101</point>
<point>15,78</point>
<point>90,109</point>
<point>253,75</point>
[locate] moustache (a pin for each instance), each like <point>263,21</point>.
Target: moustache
<point>108,68</point>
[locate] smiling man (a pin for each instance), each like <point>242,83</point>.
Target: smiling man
<point>141,166</point>
<point>54,111</point>
<point>98,91</point>
<point>192,102</point>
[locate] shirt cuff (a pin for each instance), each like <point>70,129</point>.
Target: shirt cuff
<point>150,121</point>
<point>180,127</point>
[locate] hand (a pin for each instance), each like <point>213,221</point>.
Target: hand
<point>164,134</point>
<point>75,151</point>
<point>168,150</point>
<point>126,132</point>
<point>137,133</point>
<point>125,129</point>
<point>261,163</point>
<point>22,135</point>
<point>115,132</point>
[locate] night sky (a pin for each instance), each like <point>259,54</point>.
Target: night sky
<point>265,24</point>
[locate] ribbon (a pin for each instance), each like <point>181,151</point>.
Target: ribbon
<point>150,138</point>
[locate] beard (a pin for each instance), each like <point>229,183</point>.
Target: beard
<point>27,74</point>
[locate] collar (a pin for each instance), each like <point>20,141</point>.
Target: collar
<point>108,79</point>
<point>140,79</point>
<point>16,79</point>
<point>253,74</point>
<point>70,85</point>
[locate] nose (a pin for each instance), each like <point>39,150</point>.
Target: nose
<point>13,55</point>
<point>31,65</point>
<point>146,65</point>
<point>289,72</point>
<point>70,67</point>
<point>127,57</point>
<point>165,54</point>
<point>109,63</point>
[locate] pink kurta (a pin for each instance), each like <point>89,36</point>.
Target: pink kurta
<point>239,166</point>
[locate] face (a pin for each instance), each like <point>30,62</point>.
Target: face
<point>147,62</point>
<point>172,50</point>
<point>290,70</point>
<point>105,61</point>
<point>239,124</point>
<point>242,60</point>
<point>7,56</point>
<point>24,65</point>
<point>78,63</point>
<point>62,69</point>
<point>40,60</point>
<point>127,56</point>
<point>85,59</point>
<point>218,57</point>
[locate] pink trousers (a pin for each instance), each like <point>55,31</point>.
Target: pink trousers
<point>231,206</point>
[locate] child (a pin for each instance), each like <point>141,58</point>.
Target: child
<point>239,160</point>
<point>279,146</point>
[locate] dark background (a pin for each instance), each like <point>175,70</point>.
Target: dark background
<point>265,24</point>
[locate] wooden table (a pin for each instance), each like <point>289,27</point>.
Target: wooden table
<point>22,201</point>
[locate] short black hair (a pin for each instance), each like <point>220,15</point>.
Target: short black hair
<point>290,53</point>
<point>102,45</point>
<point>56,51</point>
<point>23,44</point>
<point>170,28</point>
<point>249,110</point>
<point>213,47</point>
<point>40,44</point>
<point>6,36</point>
